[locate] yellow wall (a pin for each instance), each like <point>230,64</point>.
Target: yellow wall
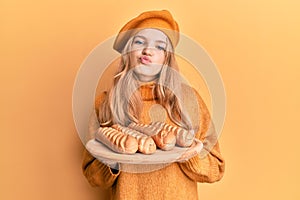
<point>255,45</point>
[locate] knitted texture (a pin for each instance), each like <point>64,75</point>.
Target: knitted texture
<point>173,181</point>
<point>161,20</point>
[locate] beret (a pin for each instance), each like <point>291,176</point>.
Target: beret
<point>161,20</point>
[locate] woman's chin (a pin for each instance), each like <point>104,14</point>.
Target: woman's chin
<point>146,77</point>
<point>146,73</point>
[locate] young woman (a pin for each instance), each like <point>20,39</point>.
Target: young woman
<point>148,76</point>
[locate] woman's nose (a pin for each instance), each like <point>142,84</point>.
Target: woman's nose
<point>148,51</point>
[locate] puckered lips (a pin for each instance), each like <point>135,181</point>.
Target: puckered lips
<point>145,60</point>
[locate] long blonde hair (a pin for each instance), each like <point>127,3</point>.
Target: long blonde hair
<point>124,102</point>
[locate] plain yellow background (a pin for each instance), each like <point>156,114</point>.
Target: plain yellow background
<point>255,45</point>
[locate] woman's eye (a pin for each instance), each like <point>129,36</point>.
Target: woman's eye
<point>161,48</point>
<point>138,42</point>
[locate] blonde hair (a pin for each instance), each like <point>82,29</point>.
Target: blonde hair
<point>124,102</point>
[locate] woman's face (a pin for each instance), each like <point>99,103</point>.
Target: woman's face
<point>147,54</point>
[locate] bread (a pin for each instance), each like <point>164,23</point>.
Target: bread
<point>116,140</point>
<point>146,144</point>
<point>184,138</point>
<point>144,128</point>
<point>163,139</point>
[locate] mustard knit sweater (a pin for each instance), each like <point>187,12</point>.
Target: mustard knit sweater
<point>173,181</point>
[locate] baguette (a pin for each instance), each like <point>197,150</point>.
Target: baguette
<point>116,140</point>
<point>184,138</point>
<point>163,139</point>
<point>146,144</point>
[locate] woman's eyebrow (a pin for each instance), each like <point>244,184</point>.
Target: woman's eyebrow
<point>140,37</point>
<point>143,37</point>
<point>161,41</point>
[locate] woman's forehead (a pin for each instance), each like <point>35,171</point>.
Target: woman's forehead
<point>151,34</point>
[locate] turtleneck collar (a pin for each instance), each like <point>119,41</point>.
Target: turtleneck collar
<point>147,91</point>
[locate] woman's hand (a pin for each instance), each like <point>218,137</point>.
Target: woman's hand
<point>111,164</point>
<point>192,151</point>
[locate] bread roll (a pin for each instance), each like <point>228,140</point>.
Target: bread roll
<point>116,140</point>
<point>184,138</point>
<point>146,129</point>
<point>146,144</point>
<point>163,139</point>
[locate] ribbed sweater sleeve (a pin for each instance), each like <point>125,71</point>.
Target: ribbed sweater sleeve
<point>97,173</point>
<point>209,165</point>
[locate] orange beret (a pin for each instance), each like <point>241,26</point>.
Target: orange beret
<point>161,20</point>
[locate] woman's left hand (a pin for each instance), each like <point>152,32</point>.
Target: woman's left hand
<point>192,151</point>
